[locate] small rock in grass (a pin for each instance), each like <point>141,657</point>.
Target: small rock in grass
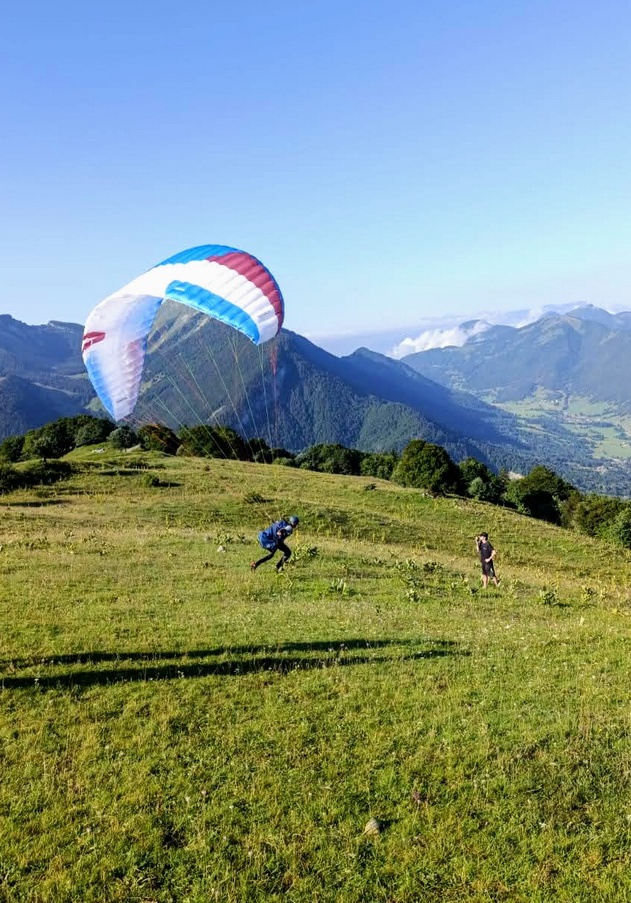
<point>372,827</point>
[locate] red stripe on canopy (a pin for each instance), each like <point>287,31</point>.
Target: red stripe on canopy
<point>258,275</point>
<point>91,338</point>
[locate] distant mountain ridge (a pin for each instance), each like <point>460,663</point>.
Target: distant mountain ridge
<point>294,394</point>
<point>364,400</point>
<point>567,372</point>
<point>41,374</point>
<point>587,356</point>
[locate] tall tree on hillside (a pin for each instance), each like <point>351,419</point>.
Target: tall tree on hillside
<point>157,437</point>
<point>593,514</point>
<point>11,448</point>
<point>379,464</point>
<point>213,442</point>
<point>123,437</point>
<point>93,430</point>
<point>620,530</point>
<point>333,458</point>
<point>480,482</point>
<point>539,494</point>
<point>50,441</point>
<point>424,465</point>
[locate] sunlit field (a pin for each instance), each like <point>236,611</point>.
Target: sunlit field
<point>175,728</point>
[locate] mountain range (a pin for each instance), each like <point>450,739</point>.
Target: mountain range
<point>583,354</point>
<point>510,396</point>
<point>569,373</point>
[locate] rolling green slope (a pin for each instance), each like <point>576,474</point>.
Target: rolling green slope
<point>176,728</point>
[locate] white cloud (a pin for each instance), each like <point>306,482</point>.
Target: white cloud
<point>440,338</point>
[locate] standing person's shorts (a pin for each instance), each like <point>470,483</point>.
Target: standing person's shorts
<point>487,569</point>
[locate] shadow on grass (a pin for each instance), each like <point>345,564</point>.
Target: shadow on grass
<point>277,660</point>
<point>38,503</point>
<point>124,472</point>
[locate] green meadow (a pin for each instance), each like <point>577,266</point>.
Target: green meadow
<point>177,729</point>
<point>607,430</point>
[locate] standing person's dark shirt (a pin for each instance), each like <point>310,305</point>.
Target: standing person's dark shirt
<point>487,554</point>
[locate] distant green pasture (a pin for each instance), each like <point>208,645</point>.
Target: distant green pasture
<point>608,432</point>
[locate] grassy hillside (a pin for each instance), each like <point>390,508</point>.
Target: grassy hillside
<point>176,728</point>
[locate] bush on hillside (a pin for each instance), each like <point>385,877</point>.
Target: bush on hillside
<point>593,514</point>
<point>55,439</point>
<point>213,442</point>
<point>9,478</point>
<point>94,430</point>
<point>271,455</point>
<point>542,479</point>
<point>285,462</point>
<point>619,531</point>
<point>11,448</point>
<point>259,449</point>
<point>540,494</point>
<point>471,469</point>
<point>50,441</point>
<point>491,490</point>
<point>379,464</point>
<point>123,437</point>
<point>479,482</point>
<point>40,473</point>
<point>331,458</point>
<point>157,437</point>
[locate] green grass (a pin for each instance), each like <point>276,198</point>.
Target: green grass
<point>176,728</point>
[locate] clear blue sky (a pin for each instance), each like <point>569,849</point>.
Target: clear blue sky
<point>387,161</point>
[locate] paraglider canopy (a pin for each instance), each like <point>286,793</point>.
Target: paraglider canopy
<point>223,282</point>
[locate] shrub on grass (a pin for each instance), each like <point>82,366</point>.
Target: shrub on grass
<point>593,514</point>
<point>40,473</point>
<point>44,473</point>
<point>151,480</point>
<point>213,442</point>
<point>540,494</point>
<point>9,478</point>
<point>285,462</point>
<point>55,439</point>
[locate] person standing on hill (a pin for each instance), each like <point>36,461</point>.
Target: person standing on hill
<point>273,539</point>
<point>487,554</point>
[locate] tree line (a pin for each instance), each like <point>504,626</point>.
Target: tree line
<point>540,493</point>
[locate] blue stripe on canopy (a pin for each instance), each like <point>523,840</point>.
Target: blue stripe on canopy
<point>213,305</point>
<point>100,386</point>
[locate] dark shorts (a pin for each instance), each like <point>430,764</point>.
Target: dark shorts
<point>487,569</point>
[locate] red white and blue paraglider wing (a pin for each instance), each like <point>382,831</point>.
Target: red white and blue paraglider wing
<point>224,283</point>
